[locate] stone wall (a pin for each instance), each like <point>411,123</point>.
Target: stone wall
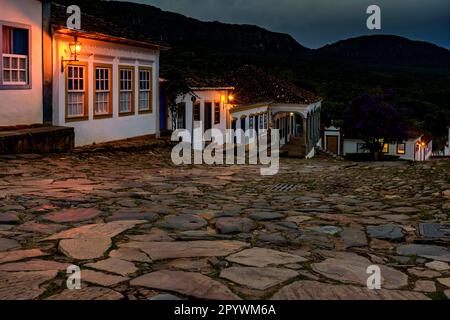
<point>37,140</point>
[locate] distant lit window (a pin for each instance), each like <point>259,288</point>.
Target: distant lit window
<point>15,56</point>
<point>386,148</point>
<point>401,148</point>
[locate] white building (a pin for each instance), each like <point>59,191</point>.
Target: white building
<point>249,98</point>
<point>21,89</point>
<point>111,93</point>
<point>98,80</point>
<point>418,147</point>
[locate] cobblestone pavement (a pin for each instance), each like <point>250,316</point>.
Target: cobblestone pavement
<point>140,228</point>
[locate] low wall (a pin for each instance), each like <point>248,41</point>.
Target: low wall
<point>37,140</point>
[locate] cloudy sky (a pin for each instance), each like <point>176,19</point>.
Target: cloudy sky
<point>315,23</point>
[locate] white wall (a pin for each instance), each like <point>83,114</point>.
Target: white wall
<point>350,146</point>
<point>109,129</point>
<point>24,106</point>
<point>204,96</point>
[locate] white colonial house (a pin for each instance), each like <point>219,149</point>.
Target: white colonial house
<point>21,88</point>
<point>249,98</point>
<point>418,147</point>
<point>97,81</point>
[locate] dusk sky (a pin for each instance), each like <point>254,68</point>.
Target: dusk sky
<point>315,23</point>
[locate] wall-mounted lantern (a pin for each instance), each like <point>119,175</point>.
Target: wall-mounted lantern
<point>75,50</point>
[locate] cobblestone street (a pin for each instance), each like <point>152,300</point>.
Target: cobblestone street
<point>141,228</point>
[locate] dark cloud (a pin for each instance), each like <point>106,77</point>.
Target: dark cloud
<point>315,23</point>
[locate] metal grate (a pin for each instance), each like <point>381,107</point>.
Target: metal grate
<point>283,187</point>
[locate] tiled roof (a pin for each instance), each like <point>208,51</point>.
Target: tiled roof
<point>253,85</point>
<point>99,26</point>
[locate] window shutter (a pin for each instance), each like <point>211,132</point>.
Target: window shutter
<point>6,42</point>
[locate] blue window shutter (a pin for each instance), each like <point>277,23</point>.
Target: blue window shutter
<point>20,41</point>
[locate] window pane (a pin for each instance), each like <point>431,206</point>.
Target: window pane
<point>20,41</point>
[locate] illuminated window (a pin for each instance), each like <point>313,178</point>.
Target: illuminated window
<point>217,113</point>
<point>15,56</point>
<point>76,91</point>
<point>103,96</point>
<point>145,90</point>
<point>386,148</point>
<point>126,94</point>
<point>401,148</point>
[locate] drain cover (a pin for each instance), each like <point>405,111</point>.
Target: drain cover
<point>283,187</point>
<point>434,230</point>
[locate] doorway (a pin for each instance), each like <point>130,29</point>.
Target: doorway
<point>332,144</point>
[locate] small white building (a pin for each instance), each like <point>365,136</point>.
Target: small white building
<point>21,89</point>
<point>249,98</point>
<point>110,93</point>
<point>418,147</point>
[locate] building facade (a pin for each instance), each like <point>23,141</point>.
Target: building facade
<point>21,88</point>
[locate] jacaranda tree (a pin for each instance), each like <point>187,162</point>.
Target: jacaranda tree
<point>375,119</point>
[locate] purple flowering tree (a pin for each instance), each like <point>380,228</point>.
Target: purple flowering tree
<point>375,119</point>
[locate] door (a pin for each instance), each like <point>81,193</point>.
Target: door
<point>332,144</point>
<point>208,116</point>
<point>181,113</point>
<point>233,128</point>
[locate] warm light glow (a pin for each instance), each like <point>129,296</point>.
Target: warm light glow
<point>222,98</point>
<point>292,114</point>
<point>75,48</point>
<point>230,97</point>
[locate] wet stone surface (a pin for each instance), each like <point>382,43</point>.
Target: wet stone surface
<point>152,230</point>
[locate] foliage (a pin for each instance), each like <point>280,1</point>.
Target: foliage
<point>374,118</point>
<point>176,86</point>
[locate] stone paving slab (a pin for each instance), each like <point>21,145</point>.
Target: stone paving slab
<point>152,229</point>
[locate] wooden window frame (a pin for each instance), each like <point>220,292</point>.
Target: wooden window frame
<point>85,117</point>
<point>217,106</point>
<point>150,101</point>
<point>29,60</point>
<point>111,77</point>
<point>133,90</point>
<point>401,152</point>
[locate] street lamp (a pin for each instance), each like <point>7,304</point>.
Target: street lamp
<point>75,50</point>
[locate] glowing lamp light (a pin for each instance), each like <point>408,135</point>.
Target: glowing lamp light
<point>230,97</point>
<point>75,50</point>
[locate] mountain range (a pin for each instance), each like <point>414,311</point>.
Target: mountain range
<point>419,72</point>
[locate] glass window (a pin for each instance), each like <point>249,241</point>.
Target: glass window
<point>145,87</point>
<point>126,90</point>
<point>15,53</point>
<point>401,148</point>
<point>386,148</point>
<point>102,105</point>
<point>76,91</point>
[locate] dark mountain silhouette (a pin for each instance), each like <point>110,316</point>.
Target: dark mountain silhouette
<point>385,49</point>
<point>180,31</point>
